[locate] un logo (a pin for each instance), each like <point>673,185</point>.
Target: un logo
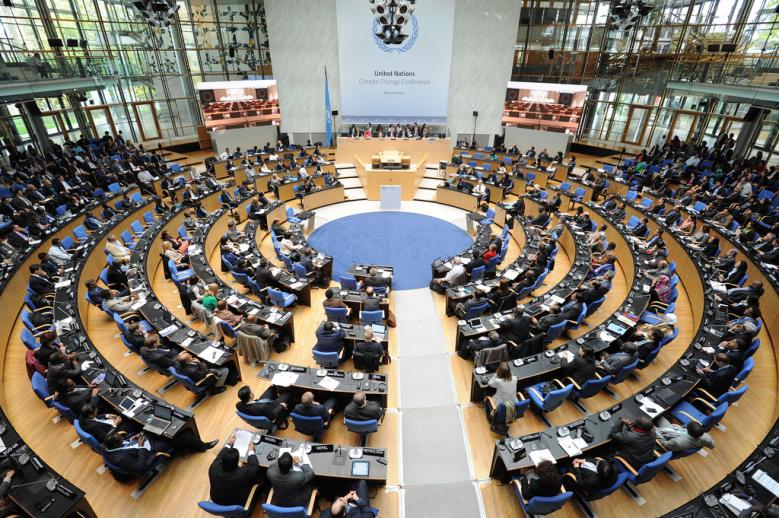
<point>391,25</point>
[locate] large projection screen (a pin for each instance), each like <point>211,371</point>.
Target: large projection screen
<point>394,58</point>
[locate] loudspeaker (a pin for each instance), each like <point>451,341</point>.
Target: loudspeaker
<point>512,94</point>
<point>753,114</point>
<point>475,113</point>
<point>71,42</point>
<point>728,47</point>
<point>712,47</point>
<point>231,52</point>
<point>32,108</point>
<point>565,98</point>
<point>206,96</point>
<point>83,44</point>
<point>55,43</point>
<point>8,3</point>
<point>334,113</point>
<point>261,94</point>
<point>550,53</point>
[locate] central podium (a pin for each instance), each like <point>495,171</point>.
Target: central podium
<point>387,161</point>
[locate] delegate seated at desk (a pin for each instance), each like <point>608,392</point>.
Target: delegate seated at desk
<point>354,504</point>
<point>335,302</point>
<point>330,339</point>
<point>290,488</point>
<point>310,408</point>
<point>272,404</point>
<point>231,483</point>
<point>635,439</point>
<point>196,370</point>
<point>363,409</point>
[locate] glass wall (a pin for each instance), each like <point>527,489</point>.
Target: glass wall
<point>729,42</point>
<point>148,72</point>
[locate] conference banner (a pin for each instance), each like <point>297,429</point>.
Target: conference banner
<point>394,59</point>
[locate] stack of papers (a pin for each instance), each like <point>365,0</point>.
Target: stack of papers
<point>63,284</point>
<point>572,447</point>
<point>210,353</point>
<point>284,379</point>
<point>650,408</point>
<point>539,456</point>
<point>300,453</point>
<point>328,383</point>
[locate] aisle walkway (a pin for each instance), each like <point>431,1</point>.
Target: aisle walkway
<point>436,471</point>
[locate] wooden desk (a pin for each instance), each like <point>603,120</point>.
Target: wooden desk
<point>287,190</point>
<point>323,197</point>
<point>408,179</point>
<point>458,199</point>
<point>349,149</point>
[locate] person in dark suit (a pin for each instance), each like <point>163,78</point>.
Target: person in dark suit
<point>612,363</point>
<point>75,397</point>
<point>39,281</point>
<point>544,480</point>
<point>517,328</point>
<point>231,484</point>
<point>263,275</point>
<point>581,368</point>
<point>554,317</point>
<point>48,266</point>
<point>18,238</point>
<point>477,299</point>
<point>117,279</point>
<point>130,454</point>
<point>134,336</point>
<point>591,475</point>
<point>375,279</point>
<point>717,378</point>
<point>370,302</point>
<point>355,504</point>
<point>61,368</point>
<point>541,220</point>
<point>290,488</point>
<point>271,404</point>
<point>362,409</point>
<point>635,439</point>
<point>310,408</point>
<point>104,425</point>
<point>156,354</point>
<point>592,293</point>
<point>196,370</point>
<point>330,339</point>
<point>573,307</point>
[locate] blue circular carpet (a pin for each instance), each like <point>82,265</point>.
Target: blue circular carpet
<point>409,242</point>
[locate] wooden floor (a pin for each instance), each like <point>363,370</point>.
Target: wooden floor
<point>185,482</point>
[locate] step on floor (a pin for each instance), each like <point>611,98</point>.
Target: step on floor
<point>425,195</point>
<point>429,183</point>
<point>355,194</point>
<point>350,182</point>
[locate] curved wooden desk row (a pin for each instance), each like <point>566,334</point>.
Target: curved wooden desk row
<point>29,490</point>
<point>673,386</point>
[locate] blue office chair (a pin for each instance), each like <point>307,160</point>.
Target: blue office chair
<point>200,388</point>
<point>684,412</point>
<point>347,282</point>
<point>643,474</point>
<point>587,390</point>
<point>574,324</point>
<point>64,411</point>
<point>553,399</point>
<point>41,388</point>
<point>489,217</point>
<point>491,266</point>
<point>28,339</point>
<point>128,239</point>
<point>179,276</point>
<point>137,227</point>
<point>476,311</point>
<point>275,511</point>
<point>300,271</point>
<point>708,401</point>
<point>136,197</point>
<point>371,317</point>
<point>496,412</point>
<point>226,511</point>
<point>477,273</point>
<point>129,346</point>
<point>362,428</point>
<point>624,372</point>
<point>30,326</point>
<point>148,218</point>
<point>281,298</point>
<point>592,308</point>
<point>328,360</point>
<point>259,422</point>
<point>583,498</point>
<point>81,233</point>
<point>670,338</point>
<point>749,364</point>
<point>88,438</point>
<point>565,187</point>
<point>313,426</point>
<point>337,315</point>
<point>554,332</point>
<point>291,216</point>
<point>643,363</point>
<point>539,505</point>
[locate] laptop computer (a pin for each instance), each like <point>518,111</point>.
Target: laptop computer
<point>160,421</point>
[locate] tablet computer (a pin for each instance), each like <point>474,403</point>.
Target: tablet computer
<point>361,468</point>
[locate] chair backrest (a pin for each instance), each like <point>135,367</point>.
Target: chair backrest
<point>670,337</point>
<point>337,314</point>
<point>731,396</point>
<point>326,359</point>
<point>67,242</point>
<point>579,192</point>
<point>633,222</point>
<point>555,398</point>
<point>646,202</point>
<point>622,477</point>
<point>87,438</point>
<point>592,308</point>
<point>541,505</point>
<point>752,348</point>
<point>491,264</point>
<point>274,511</point>
<point>64,411</point>
<point>40,387</point>
<point>308,425</point>
<point>186,381</point>
<point>256,421</point>
<point>475,311</point>
<point>183,232</point>
<point>592,386</point>
<point>749,364</point>
<point>137,227</point>
<point>579,318</point>
<point>80,232</point>
<point>372,317</point>
<point>624,372</point>
<point>299,270</point>
<point>565,186</point>
<point>554,331</point>
<point>716,415</point>
<point>115,187</point>
<point>290,212</point>
<point>490,213</point>
<point>347,282</point>
<point>631,195</point>
<point>368,426</point>
<point>28,339</point>
<point>226,511</point>
<point>477,273</point>
<point>148,217</point>
<point>127,237</point>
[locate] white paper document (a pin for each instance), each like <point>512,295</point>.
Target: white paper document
<point>538,456</point>
<point>329,383</point>
<point>284,379</point>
